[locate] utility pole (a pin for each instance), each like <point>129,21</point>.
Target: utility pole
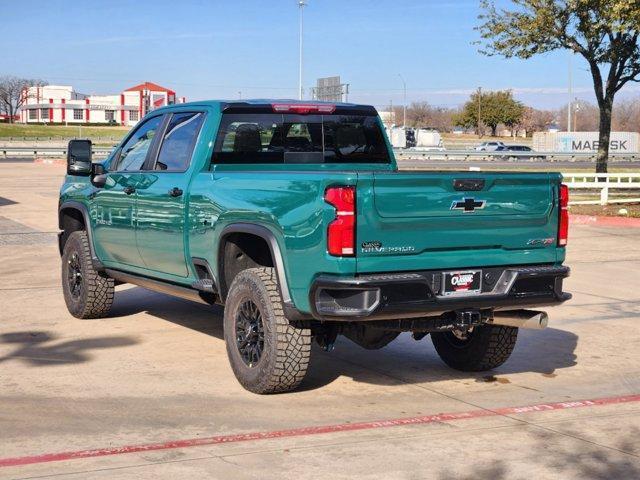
<point>240,94</point>
<point>301,5</point>
<point>404,107</point>
<point>570,96</point>
<point>576,109</point>
<point>479,110</point>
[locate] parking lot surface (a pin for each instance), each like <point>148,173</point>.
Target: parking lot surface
<point>148,392</point>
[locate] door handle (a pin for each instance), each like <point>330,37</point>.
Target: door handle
<point>175,192</point>
<point>129,190</point>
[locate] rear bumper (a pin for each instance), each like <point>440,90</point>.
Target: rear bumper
<point>417,294</point>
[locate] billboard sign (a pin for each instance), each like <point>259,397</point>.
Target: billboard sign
<point>329,89</point>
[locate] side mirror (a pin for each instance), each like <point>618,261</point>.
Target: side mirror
<point>79,157</point>
<point>98,175</point>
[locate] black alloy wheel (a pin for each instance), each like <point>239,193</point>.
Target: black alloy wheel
<point>74,275</point>
<point>249,333</point>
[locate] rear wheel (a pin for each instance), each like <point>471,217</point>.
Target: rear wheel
<point>86,292</point>
<point>482,348</point>
<point>267,353</point>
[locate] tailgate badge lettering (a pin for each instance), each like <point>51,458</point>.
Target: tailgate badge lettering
<point>468,205</point>
<point>541,241</point>
<point>373,245</point>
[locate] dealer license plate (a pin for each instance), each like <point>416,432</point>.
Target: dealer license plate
<point>462,282</point>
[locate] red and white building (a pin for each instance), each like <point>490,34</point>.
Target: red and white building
<point>63,105</point>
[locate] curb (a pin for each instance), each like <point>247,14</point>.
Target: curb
<point>602,221</point>
<point>49,161</point>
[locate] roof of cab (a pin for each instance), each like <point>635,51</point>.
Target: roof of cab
<point>260,101</point>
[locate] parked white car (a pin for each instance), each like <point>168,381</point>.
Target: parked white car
<point>489,146</point>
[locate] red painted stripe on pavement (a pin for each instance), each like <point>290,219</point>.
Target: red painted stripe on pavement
<point>601,220</point>
<point>306,431</point>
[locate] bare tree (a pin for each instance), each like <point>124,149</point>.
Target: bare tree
<point>585,116</point>
<point>534,120</point>
<point>14,93</point>
<point>626,115</point>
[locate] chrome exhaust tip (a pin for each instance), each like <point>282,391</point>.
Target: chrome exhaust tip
<point>532,319</point>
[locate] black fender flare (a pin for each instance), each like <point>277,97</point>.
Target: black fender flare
<point>84,211</point>
<point>269,237</point>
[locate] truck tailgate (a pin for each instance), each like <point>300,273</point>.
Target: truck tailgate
<point>430,220</point>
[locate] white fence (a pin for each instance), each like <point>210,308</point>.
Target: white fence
<point>621,184</point>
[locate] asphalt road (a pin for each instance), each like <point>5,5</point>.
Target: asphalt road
<point>148,392</point>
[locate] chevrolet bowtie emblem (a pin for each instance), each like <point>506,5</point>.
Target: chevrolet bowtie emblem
<point>468,205</point>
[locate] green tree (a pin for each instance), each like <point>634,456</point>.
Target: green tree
<point>494,107</point>
<point>604,32</point>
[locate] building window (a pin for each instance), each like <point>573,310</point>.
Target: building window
<point>33,114</point>
<point>77,114</point>
<point>110,115</point>
<point>44,113</point>
<point>133,116</point>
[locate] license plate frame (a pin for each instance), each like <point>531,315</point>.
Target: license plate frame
<point>463,285</point>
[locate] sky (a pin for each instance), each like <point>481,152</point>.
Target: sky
<point>249,49</point>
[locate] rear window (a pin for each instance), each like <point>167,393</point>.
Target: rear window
<point>292,138</point>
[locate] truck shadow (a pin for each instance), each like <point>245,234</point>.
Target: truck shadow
<point>402,361</point>
<point>41,349</point>
<point>405,361</point>
<point>199,317</point>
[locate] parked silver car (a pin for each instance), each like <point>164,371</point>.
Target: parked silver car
<point>489,146</point>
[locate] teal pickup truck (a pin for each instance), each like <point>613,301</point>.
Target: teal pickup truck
<point>294,216</point>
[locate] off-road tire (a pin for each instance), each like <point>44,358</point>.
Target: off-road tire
<point>287,348</point>
<point>486,347</point>
<point>95,295</point>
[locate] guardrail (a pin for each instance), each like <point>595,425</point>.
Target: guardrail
<point>474,155</point>
<point>48,151</point>
<point>63,138</point>
<point>605,182</point>
<point>408,154</point>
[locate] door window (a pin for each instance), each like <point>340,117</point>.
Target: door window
<point>134,152</point>
<point>179,141</point>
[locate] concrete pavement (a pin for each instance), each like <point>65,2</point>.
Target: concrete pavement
<point>155,372</point>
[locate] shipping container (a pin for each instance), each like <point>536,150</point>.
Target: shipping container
<point>584,142</point>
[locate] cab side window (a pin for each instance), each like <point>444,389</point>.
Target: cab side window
<point>134,152</point>
<point>179,141</point>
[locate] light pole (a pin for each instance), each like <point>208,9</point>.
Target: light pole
<point>570,95</point>
<point>301,5</point>
<point>479,110</point>
<point>404,102</point>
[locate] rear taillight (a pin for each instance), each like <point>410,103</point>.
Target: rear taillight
<point>303,108</point>
<point>563,214</point>
<point>341,234</point>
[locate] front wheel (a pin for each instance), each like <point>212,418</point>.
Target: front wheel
<point>267,353</point>
<point>479,349</point>
<point>87,293</point>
